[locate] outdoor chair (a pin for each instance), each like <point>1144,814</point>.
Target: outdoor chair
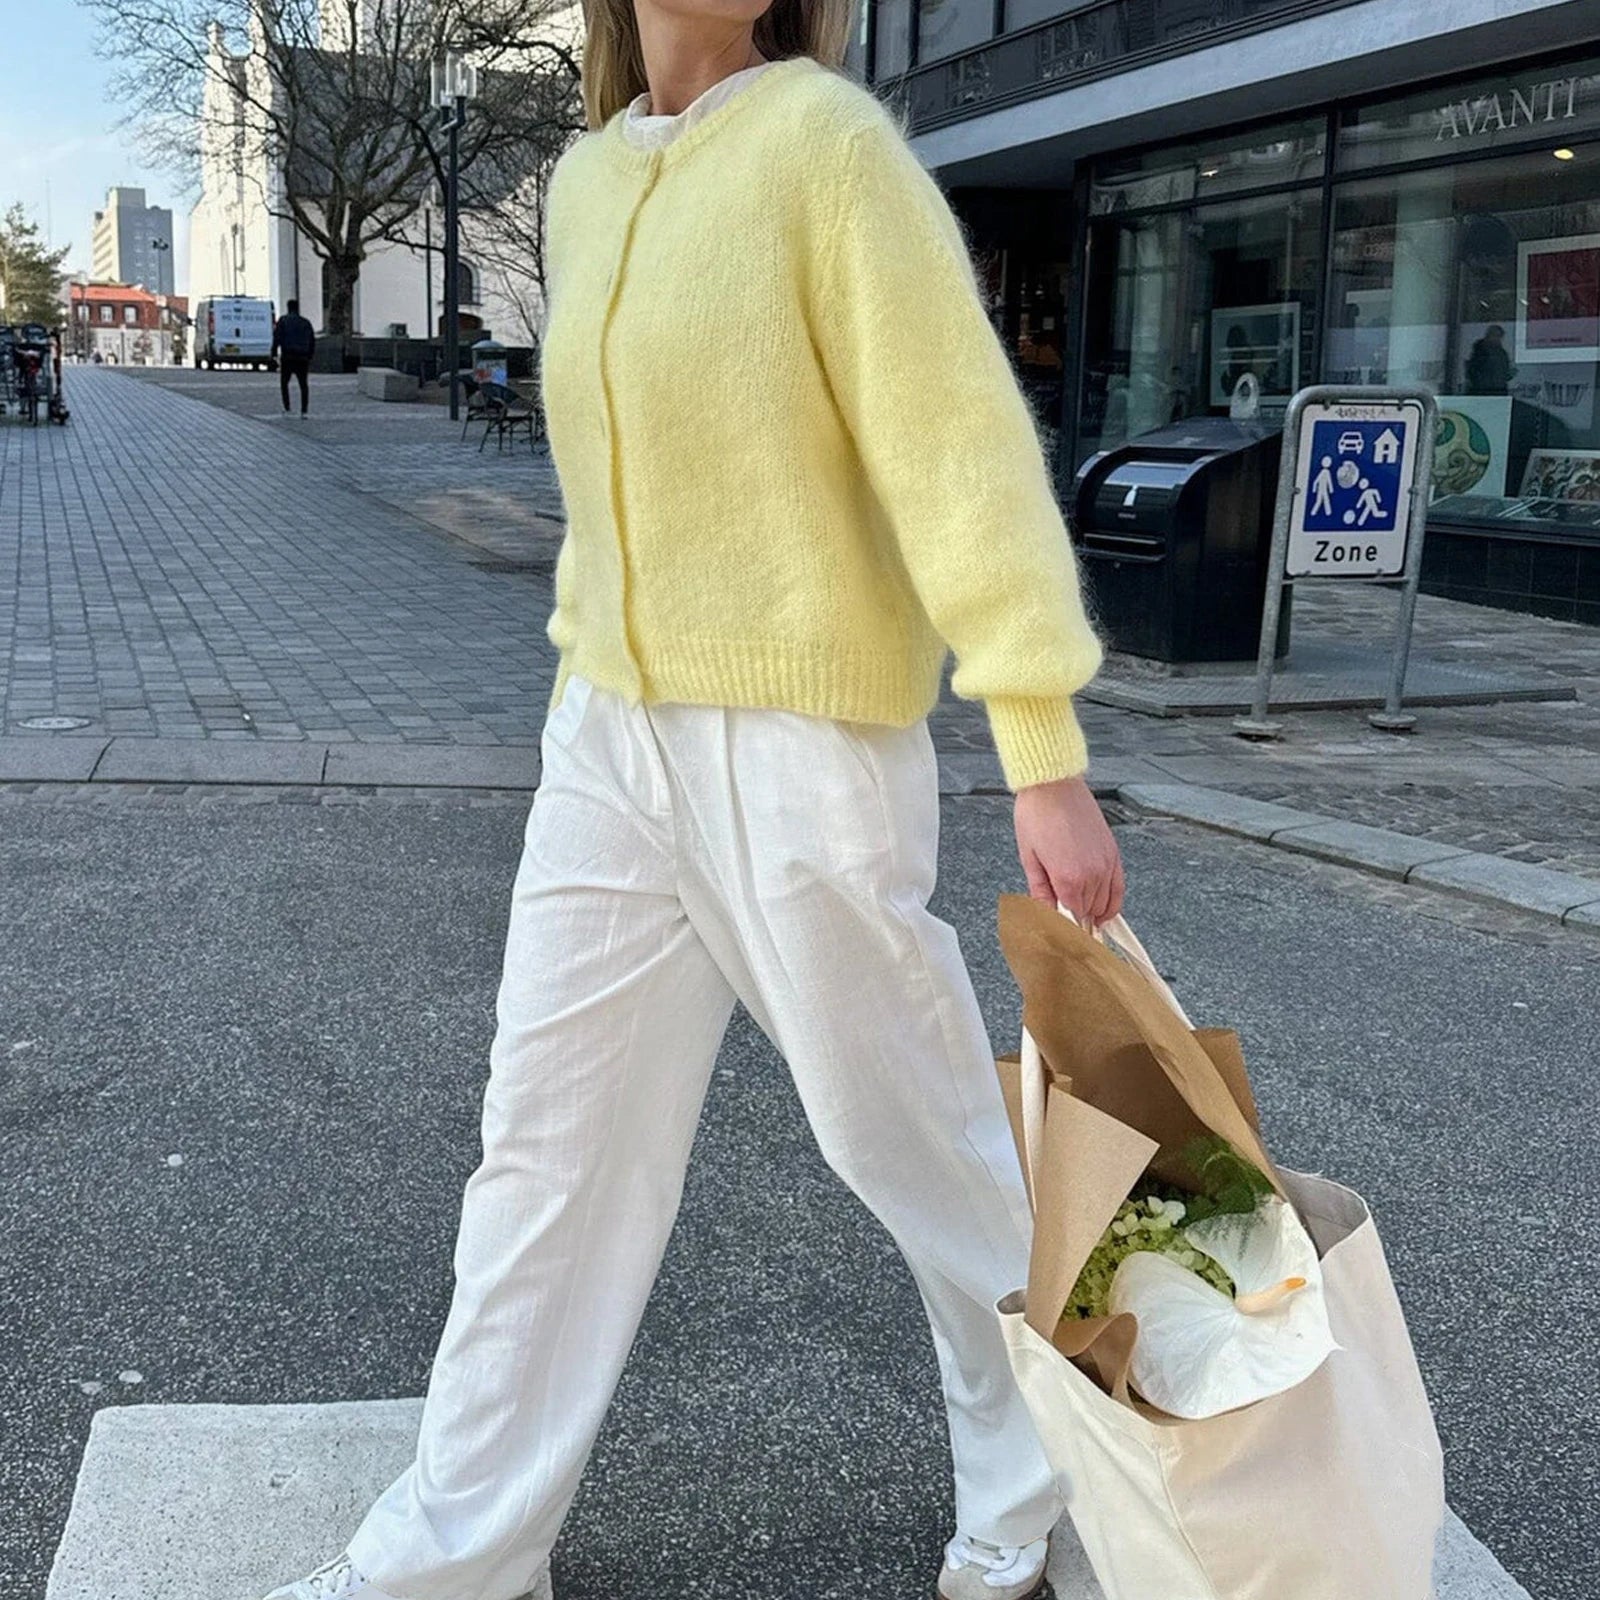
<point>504,412</point>
<point>472,394</point>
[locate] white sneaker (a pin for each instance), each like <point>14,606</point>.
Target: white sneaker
<point>974,1569</point>
<point>338,1580</point>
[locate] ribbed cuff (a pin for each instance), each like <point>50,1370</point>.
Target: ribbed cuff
<point>1038,741</point>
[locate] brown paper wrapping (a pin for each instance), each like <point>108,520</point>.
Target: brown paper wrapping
<point>1131,1085</point>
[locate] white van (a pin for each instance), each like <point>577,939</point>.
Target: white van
<point>233,330</point>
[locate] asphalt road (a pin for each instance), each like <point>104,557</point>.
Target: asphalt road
<point>296,1000</point>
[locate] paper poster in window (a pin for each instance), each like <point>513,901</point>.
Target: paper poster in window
<point>1563,475</point>
<point>1558,299</point>
<point>1263,340</point>
<point>1471,445</point>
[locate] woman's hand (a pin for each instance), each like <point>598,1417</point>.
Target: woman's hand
<point>1067,850</point>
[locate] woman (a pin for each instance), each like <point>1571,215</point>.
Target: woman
<point>796,466</point>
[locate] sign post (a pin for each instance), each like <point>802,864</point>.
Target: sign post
<point>1352,503</point>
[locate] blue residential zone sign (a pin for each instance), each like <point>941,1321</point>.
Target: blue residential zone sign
<point>1353,491</point>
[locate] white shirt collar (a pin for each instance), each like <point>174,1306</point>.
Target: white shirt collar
<point>649,130</point>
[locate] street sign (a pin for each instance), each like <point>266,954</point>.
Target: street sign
<point>1353,484</point>
<point>1356,470</point>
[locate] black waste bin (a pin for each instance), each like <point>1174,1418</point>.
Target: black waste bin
<point>1174,529</point>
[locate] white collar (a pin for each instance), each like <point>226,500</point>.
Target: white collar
<point>646,127</point>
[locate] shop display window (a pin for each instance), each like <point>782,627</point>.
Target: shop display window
<point>1480,280</point>
<point>1199,312</point>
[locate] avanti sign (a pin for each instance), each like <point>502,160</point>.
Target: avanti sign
<point>1559,106</point>
<point>1552,101</point>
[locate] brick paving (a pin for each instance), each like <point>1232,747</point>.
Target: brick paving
<point>406,455</point>
<point>1520,779</point>
<point>182,570</point>
<point>162,589</point>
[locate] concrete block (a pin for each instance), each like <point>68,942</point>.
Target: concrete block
<point>201,1501</point>
<point>1519,884</point>
<point>131,759</point>
<point>195,1502</point>
<point>1374,849</point>
<point>434,766</point>
<point>384,383</point>
<point>1215,808</point>
<point>1466,1569</point>
<point>49,758</point>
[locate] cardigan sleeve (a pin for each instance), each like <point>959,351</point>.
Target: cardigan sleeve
<point>953,453</point>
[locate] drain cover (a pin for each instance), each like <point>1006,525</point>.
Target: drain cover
<point>54,724</point>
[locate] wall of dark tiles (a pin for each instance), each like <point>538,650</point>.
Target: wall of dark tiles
<point>1546,577</point>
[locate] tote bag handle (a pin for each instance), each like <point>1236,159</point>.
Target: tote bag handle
<point>1117,935</point>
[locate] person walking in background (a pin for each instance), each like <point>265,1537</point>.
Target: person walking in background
<point>294,342</point>
<point>763,572</point>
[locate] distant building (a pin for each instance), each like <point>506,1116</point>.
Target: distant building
<point>243,241</point>
<point>127,325</point>
<point>133,242</point>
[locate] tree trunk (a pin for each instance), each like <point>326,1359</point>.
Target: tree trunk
<point>342,273</point>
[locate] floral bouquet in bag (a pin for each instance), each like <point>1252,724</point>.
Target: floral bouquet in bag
<point>1202,1291</point>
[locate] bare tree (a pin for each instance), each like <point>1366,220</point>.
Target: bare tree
<point>326,104</point>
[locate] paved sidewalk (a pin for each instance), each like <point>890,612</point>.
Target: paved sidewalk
<point>176,600</point>
<point>186,572</point>
<point>405,454</point>
<point>1519,780</point>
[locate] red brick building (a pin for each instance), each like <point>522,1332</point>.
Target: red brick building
<point>127,325</point>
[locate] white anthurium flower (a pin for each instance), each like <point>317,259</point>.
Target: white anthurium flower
<point>1199,1352</point>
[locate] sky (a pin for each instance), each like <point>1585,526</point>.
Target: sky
<point>60,144</point>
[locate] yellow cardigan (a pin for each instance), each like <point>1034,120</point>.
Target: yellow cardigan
<point>796,463</point>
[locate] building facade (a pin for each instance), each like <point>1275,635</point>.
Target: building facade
<point>132,242</point>
<point>1167,195</point>
<point>126,325</point>
<point>243,242</point>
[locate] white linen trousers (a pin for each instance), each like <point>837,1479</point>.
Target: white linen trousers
<point>677,858</point>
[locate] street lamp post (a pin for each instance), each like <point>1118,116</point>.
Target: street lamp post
<point>163,250</point>
<point>455,81</point>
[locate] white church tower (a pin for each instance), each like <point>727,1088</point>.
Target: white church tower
<point>242,240</point>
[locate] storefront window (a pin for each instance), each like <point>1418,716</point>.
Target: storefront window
<point>1199,312</point>
<point>892,47</point>
<point>1229,163</point>
<point>1481,281</point>
<point>1032,319</point>
<point>855,52</point>
<point>946,27</point>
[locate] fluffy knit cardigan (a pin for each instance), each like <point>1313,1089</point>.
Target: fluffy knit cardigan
<point>796,463</point>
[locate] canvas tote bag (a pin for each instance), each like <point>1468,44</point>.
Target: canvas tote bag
<point>1333,1490</point>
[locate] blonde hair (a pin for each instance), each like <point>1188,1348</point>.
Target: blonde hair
<point>613,62</point>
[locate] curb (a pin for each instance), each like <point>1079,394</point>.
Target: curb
<point>133,758</point>
<point>1562,897</point>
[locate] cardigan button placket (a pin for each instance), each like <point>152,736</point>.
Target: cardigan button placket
<point>607,430</point>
